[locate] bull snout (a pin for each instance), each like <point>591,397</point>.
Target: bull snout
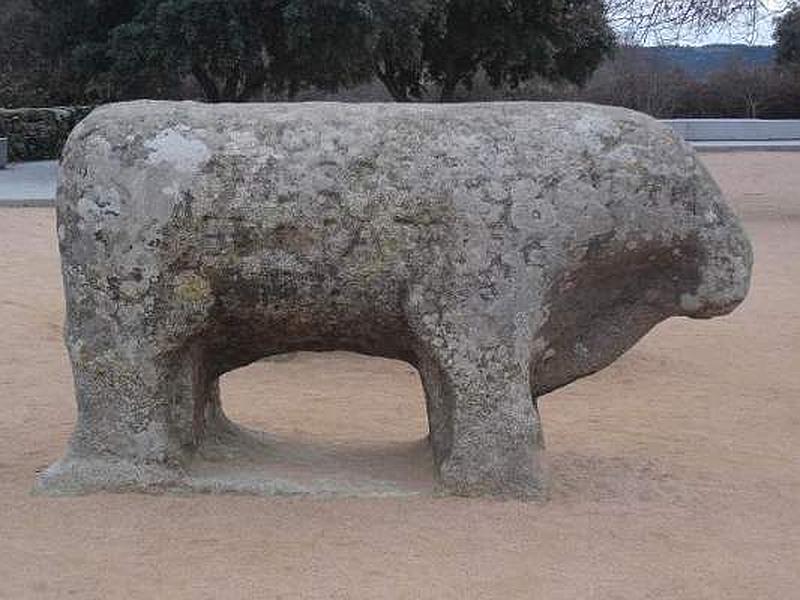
<point>724,269</point>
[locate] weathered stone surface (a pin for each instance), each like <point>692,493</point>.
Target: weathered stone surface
<point>505,250</point>
<point>39,133</point>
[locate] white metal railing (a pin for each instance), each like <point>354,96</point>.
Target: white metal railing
<point>736,130</point>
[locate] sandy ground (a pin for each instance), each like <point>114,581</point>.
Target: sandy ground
<point>676,472</point>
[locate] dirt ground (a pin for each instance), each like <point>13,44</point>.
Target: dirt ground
<point>676,472</point>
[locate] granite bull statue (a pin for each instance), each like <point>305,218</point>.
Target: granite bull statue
<point>504,250</point>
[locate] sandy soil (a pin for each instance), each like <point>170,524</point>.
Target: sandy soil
<point>676,471</point>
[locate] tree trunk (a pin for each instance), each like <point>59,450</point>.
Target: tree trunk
<point>397,92</point>
<point>448,90</point>
<point>253,82</point>
<point>207,83</point>
<point>230,92</point>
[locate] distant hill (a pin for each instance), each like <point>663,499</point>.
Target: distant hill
<point>699,61</point>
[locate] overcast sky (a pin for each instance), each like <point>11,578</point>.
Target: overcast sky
<point>739,34</point>
<point>735,33</point>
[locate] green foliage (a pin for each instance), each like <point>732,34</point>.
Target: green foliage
<point>324,45</point>
<point>787,38</point>
<point>234,49</point>
<point>24,70</point>
<point>515,40</point>
<point>397,47</point>
<point>76,34</point>
<point>219,42</point>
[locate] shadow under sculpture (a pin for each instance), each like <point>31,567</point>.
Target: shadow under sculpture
<point>504,250</point>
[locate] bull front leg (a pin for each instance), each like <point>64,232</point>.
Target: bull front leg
<point>484,424</point>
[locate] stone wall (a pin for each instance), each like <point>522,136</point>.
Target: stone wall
<point>39,133</point>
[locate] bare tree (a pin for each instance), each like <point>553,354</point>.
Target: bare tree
<point>663,21</point>
<point>640,80</point>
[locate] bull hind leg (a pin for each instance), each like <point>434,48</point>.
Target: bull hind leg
<point>136,423</point>
<point>485,430</point>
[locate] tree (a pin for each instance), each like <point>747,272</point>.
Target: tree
<point>742,90</point>
<point>670,20</point>
<point>510,41</point>
<point>636,79</point>
<point>75,34</point>
<point>323,44</point>
<point>396,46</point>
<point>221,43</point>
<point>101,50</point>
<point>231,48</point>
<point>24,70</point>
<point>787,38</point>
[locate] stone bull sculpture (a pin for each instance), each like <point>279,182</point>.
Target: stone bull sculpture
<point>504,250</point>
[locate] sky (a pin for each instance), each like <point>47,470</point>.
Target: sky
<point>741,32</point>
